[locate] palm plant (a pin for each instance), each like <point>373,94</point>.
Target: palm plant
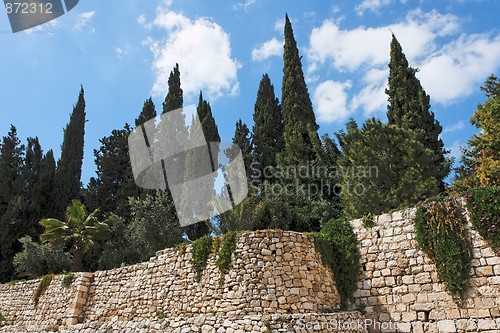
<point>79,231</point>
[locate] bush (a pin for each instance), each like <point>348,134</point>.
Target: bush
<point>38,259</point>
<point>2,319</point>
<point>67,279</point>
<point>483,204</point>
<point>337,244</point>
<point>440,232</point>
<point>227,248</point>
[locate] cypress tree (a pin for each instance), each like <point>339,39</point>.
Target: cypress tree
<point>409,108</point>
<point>11,161</point>
<point>242,139</point>
<point>148,112</point>
<point>296,106</point>
<point>69,166</point>
<point>47,183</point>
<point>211,133</point>
<point>174,98</point>
<point>267,130</point>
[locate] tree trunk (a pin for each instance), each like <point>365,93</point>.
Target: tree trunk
<point>77,253</point>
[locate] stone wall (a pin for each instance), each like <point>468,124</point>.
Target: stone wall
<point>272,273</point>
<point>399,283</point>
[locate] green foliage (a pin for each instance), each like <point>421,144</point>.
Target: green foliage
<point>337,244</point>
<point>69,166</point>
<point>80,230</point>
<point>481,160</point>
<point>42,287</point>
<point>162,315</point>
<point>267,139</point>
<point>67,279</point>
<point>383,167</point>
<point>242,139</point>
<point>409,109</point>
<point>148,112</point>
<point>483,204</point>
<point>202,248</point>
<point>154,224</point>
<point>2,319</point>
<point>368,220</point>
<point>38,259</point>
<point>174,98</point>
<point>114,182</point>
<point>227,248</point>
<point>440,232</point>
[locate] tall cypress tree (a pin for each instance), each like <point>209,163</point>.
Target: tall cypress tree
<point>69,166</point>
<point>148,112</point>
<point>11,161</point>
<point>242,139</point>
<point>409,108</point>
<point>268,127</point>
<point>211,134</point>
<point>174,98</point>
<point>296,106</point>
<point>47,183</point>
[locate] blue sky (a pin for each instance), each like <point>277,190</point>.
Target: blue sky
<point>123,51</point>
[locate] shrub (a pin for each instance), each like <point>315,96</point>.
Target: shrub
<point>202,248</point>
<point>2,319</point>
<point>483,204</point>
<point>67,279</point>
<point>337,244</point>
<point>440,232</point>
<point>38,259</point>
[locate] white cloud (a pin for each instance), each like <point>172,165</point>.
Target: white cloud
<point>449,71</point>
<point>279,25</point>
<point>270,48</point>
<point>203,51</point>
<point>330,99</point>
<point>84,19</point>
<point>455,127</point>
<point>244,5</point>
<point>48,27</point>
<point>121,52</point>
<point>372,5</point>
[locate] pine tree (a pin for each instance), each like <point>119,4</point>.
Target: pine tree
<point>242,139</point>
<point>409,108</point>
<point>69,166</point>
<point>267,130</point>
<point>114,184</point>
<point>384,167</point>
<point>296,106</point>
<point>174,98</point>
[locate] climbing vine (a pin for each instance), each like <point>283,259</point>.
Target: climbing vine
<point>440,233</point>
<point>42,287</point>
<point>226,249</point>
<point>202,248</point>
<point>483,204</point>
<point>337,244</point>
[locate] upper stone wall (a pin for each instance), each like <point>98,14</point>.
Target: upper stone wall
<point>399,283</point>
<point>272,272</point>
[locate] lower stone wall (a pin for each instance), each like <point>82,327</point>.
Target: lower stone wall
<point>348,322</point>
<point>399,283</point>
